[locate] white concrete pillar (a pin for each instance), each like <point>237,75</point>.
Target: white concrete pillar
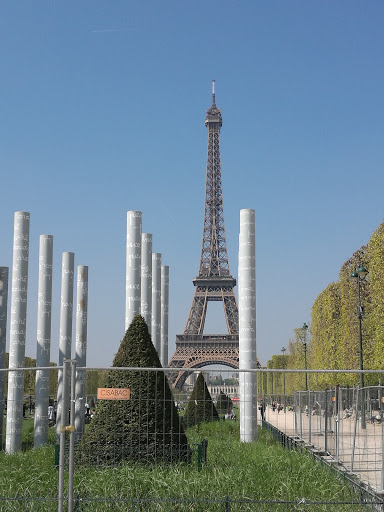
<point>133,267</point>
<point>146,279</point>
<point>247,326</point>
<point>81,348</point>
<point>65,341</point>
<point>164,315</point>
<point>17,332</point>
<point>156,300</point>
<point>43,353</point>
<point>4,271</point>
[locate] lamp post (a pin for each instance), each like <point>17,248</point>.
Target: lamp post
<point>359,275</point>
<point>283,351</point>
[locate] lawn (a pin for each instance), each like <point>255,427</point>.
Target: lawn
<point>263,470</point>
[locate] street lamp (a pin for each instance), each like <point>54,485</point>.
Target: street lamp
<point>359,275</point>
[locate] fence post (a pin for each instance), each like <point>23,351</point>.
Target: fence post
<point>319,415</point>
<point>355,431</point>
<point>382,437</point>
<point>309,418</point>
<point>66,363</point>
<point>337,418</point>
<point>301,415</point>
<point>72,436</point>
<point>326,421</point>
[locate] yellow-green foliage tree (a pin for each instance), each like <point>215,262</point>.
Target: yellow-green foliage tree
<point>296,359</point>
<point>30,377</point>
<point>262,384</point>
<point>375,309</point>
<point>325,331</point>
<point>294,355</point>
<point>270,382</point>
<point>278,361</point>
<point>335,323</point>
<point>334,333</point>
<point>349,322</point>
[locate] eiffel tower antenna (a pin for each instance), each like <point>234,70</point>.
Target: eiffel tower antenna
<point>214,281</point>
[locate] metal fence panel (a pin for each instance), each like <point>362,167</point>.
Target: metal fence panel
<point>142,461</point>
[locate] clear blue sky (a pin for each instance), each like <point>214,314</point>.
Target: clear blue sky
<point>102,110</point>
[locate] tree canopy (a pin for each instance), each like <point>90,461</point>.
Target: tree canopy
<point>334,329</point>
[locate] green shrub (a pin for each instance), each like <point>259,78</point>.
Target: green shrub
<point>200,406</point>
<point>145,428</point>
<point>224,403</point>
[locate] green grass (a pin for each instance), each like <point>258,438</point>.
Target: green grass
<point>28,433</point>
<point>263,470</point>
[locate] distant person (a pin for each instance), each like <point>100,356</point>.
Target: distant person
<point>262,409</point>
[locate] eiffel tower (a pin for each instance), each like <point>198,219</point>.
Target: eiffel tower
<point>214,281</point>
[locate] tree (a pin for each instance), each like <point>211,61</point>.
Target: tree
<point>216,380</point>
<point>145,428</point>
<point>224,403</point>
<point>335,319</point>
<point>30,377</point>
<point>326,333</point>
<point>374,322</point>
<point>233,381</point>
<point>278,361</point>
<point>200,406</point>
<point>270,380</point>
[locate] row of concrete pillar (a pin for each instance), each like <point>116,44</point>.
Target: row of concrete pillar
<point>147,293</point>
<point>147,285</point>
<point>17,333</point>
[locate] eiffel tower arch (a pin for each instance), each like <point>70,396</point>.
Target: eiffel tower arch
<point>214,281</point>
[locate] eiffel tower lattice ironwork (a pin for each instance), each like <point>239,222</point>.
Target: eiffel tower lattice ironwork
<point>214,281</point>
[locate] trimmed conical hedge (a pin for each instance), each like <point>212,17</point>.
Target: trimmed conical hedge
<point>145,428</point>
<point>224,403</point>
<point>200,406</point>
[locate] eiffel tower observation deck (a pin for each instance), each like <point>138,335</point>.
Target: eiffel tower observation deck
<point>214,281</point>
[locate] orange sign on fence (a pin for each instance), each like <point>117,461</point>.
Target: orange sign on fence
<point>113,393</point>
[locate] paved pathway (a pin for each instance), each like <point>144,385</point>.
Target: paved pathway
<point>359,451</point>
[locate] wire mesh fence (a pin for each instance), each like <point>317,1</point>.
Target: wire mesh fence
<point>141,445</point>
<point>342,424</point>
<point>225,504</point>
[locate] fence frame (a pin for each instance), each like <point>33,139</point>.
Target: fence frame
<point>291,442</point>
